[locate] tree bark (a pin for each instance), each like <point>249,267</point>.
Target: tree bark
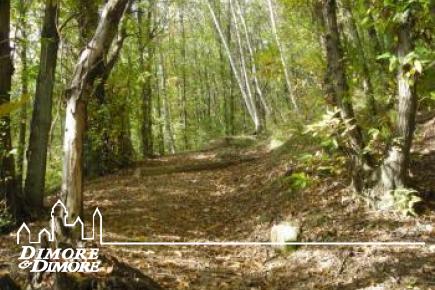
<point>24,93</point>
<point>100,147</point>
<point>251,58</point>
<point>184,97</point>
<point>244,75</point>
<point>282,55</point>
<point>161,134</point>
<point>41,116</point>
<point>339,89</point>
<point>166,110</point>
<point>248,103</point>
<point>146,47</point>
<point>79,91</point>
<point>8,186</point>
<point>394,170</point>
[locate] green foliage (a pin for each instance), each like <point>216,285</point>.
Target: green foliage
<point>330,130</point>
<point>299,181</point>
<point>7,108</point>
<point>405,200</point>
<point>377,138</point>
<point>323,163</point>
<point>189,63</point>
<point>6,219</point>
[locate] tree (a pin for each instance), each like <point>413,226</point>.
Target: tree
<point>23,6</point>
<point>146,46</point>
<point>340,91</point>
<point>241,77</point>
<point>395,167</point>
<point>167,120</point>
<point>79,91</point>
<point>8,185</point>
<point>281,54</point>
<point>41,116</point>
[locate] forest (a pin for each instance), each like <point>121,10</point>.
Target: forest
<point>224,144</point>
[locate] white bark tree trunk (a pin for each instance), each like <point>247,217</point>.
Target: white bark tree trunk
<point>250,108</point>
<point>282,55</point>
<point>244,71</point>
<point>80,88</point>
<point>251,58</point>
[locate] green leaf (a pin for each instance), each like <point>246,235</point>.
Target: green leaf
<point>385,55</point>
<point>418,66</point>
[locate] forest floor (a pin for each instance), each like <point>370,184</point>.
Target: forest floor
<point>237,195</point>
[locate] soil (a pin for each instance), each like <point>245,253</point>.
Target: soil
<point>240,201</point>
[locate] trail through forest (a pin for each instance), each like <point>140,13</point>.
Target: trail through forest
<point>264,121</point>
<point>239,200</point>
<point>224,195</point>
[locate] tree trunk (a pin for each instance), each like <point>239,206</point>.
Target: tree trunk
<point>248,103</point>
<point>8,188</point>
<point>224,78</point>
<point>79,91</point>
<point>160,137</point>
<point>95,146</point>
<point>183,99</point>
<point>100,157</point>
<point>339,89</point>
<point>251,58</point>
<point>394,170</point>
<point>244,73</point>
<point>41,116</point>
<point>166,110</point>
<point>146,65</point>
<point>232,101</point>
<point>24,93</point>
<point>282,55</point>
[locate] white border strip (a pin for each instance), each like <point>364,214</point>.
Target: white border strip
<point>225,244</point>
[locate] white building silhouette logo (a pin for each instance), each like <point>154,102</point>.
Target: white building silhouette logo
<point>49,234</point>
<point>86,260</point>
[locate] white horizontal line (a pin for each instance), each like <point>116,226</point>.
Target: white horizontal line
<point>400,244</point>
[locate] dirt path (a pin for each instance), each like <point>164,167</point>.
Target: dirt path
<point>239,200</point>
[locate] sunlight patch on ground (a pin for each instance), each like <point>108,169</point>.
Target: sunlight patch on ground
<point>202,156</point>
<point>275,143</point>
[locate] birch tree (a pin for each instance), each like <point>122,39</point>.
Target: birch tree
<point>281,54</point>
<point>24,78</point>
<point>246,98</point>
<point>251,57</point>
